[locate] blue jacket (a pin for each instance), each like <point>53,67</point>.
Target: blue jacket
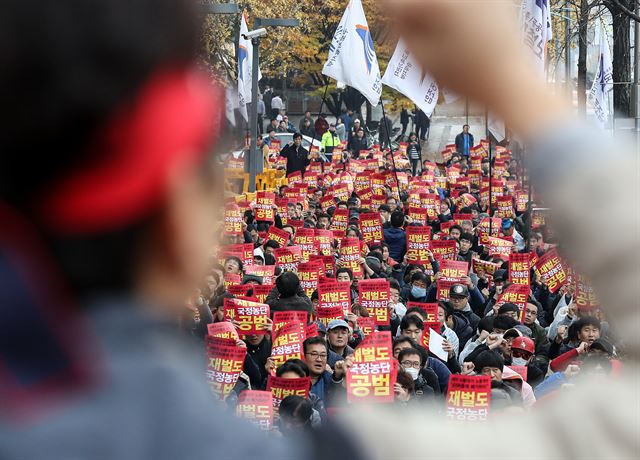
<point>396,238</point>
<point>441,370</point>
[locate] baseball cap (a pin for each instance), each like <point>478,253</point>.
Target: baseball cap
<point>459,290</point>
<point>337,323</point>
<point>524,343</point>
<point>500,275</point>
<point>602,345</point>
<point>356,120</point>
<point>506,224</point>
<point>321,327</point>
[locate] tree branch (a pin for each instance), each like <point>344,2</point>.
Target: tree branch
<point>616,4</point>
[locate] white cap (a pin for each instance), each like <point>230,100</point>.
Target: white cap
<point>356,121</point>
<point>279,118</point>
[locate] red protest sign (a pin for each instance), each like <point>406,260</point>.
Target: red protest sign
<point>468,397</point>
<point>519,268</point>
<point>585,297</point>
<point>324,240</point>
<point>261,291</point>
<point>484,265</point>
<point>335,294</point>
<point>287,343</point>
<point>288,257</point>
<point>327,314</point>
<point>500,247</point>
<point>550,268</point>
<point>442,289</point>
<point>430,309</point>
<point>266,272</point>
<point>328,262</point>
<point>257,407</point>
<point>224,365</point>
<point>431,202</point>
<point>280,318</point>
<point>251,316</point>
<point>371,227</point>
<point>522,200</point>
<point>458,218</point>
<point>372,376</point>
<point>454,270</point>
<point>311,330</point>
<point>223,330</point>
<point>294,178</point>
<point>425,336</point>
<point>418,244</point>
<point>418,215</point>
<point>239,290</point>
<point>231,279</point>
<point>232,220</point>
<point>281,387</point>
<point>504,207</point>
<point>367,324</point>
<point>265,201</point>
<point>374,295</point>
<point>340,220</point>
<point>309,274</point>
<point>489,227</point>
<point>350,256</point>
<point>305,238</point>
<point>516,294</point>
<point>278,235</point>
<point>444,249</point>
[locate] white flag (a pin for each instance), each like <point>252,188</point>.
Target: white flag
<point>352,58</point>
<point>245,66</point>
<point>405,75</point>
<point>536,29</point>
<point>231,100</point>
<point>602,84</point>
<point>496,127</point>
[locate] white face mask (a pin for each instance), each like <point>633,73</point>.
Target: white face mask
<point>519,361</point>
<point>413,372</point>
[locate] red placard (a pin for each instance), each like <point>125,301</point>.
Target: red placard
<point>223,330</point>
<point>328,262</point>
<point>374,294</point>
<point>265,201</point>
<point>280,388</point>
<point>251,316</point>
<point>288,257</point>
<point>305,238</point>
<point>454,270</point>
<point>224,365</point>
<point>371,227</point>
<point>486,225</point>
<point>231,279</point>
<point>504,207</point>
<point>309,274</point>
<point>484,265</point>
<point>239,290</point>
<point>431,203</point>
<point>278,235</point>
<point>280,318</point>
<point>335,294</point>
<point>324,240</point>
<point>294,178</point>
<point>468,397</point>
<point>266,272</point>
<point>519,268</point>
<point>261,291</point>
<point>372,376</point>
<point>340,220</point>
<point>257,407</point>
<point>458,218</point>
<point>516,294</point>
<point>350,256</point>
<point>550,268</point>
<point>418,244</point>
<point>443,287</point>
<point>327,314</point>
<point>287,343</point>
<point>500,247</point>
<point>311,330</point>
<point>585,298</point>
<point>418,215</point>
<point>444,249</point>
<point>430,310</point>
<point>425,336</point>
<point>232,220</point>
<point>367,325</point>
<point>522,200</point>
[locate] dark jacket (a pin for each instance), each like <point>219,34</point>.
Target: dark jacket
<point>298,302</point>
<point>297,158</point>
<point>462,328</point>
<point>259,354</point>
<point>356,144</point>
<point>460,142</point>
<point>396,238</point>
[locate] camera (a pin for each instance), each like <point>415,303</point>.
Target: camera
<point>258,33</point>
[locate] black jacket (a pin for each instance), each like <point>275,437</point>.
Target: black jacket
<point>297,158</point>
<point>358,144</point>
<point>462,328</point>
<point>299,302</point>
<point>460,142</point>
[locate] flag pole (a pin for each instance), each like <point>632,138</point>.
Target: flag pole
<point>393,160</point>
<point>326,87</point>
<point>486,120</point>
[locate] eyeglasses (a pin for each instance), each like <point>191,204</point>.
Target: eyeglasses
<point>315,355</point>
<point>520,354</point>
<point>407,364</point>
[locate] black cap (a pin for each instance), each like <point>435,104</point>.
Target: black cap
<point>602,345</point>
<point>459,290</point>
<point>500,275</point>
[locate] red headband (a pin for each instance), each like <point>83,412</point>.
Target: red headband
<point>168,128</point>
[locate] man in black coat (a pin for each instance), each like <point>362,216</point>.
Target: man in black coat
<point>297,156</point>
<point>464,141</point>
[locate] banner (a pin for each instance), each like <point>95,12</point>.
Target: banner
<point>444,249</point>
<point>233,220</point>
<point>245,69</point>
<point>251,316</point>
<point>418,244</point>
<point>309,274</point>
<point>261,291</point>
<point>468,397</point>
<point>454,270</point>
<point>499,247</point>
<point>352,59</point>
<point>350,256</point>
<point>520,268</point>
<point>265,201</point>
<point>327,314</point>
<point>374,295</point>
<point>371,227</point>
<point>367,325</point>
<point>324,241</point>
<point>334,294</point>
<point>288,257</point>
<point>280,388</point>
<point>287,343</point>
<point>340,220</point>
<point>585,298</point>
<point>278,235</point>
<point>550,268</point>
<point>257,407</point>
<point>373,375</point>
<point>603,82</point>
<point>504,207</point>
<point>224,365</point>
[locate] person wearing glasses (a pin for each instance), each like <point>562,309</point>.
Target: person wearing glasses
<point>324,384</point>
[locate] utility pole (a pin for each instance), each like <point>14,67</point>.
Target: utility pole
<point>636,75</point>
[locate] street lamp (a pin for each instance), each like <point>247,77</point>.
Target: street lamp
<point>255,159</point>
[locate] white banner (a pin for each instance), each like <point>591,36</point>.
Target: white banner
<point>245,66</point>
<point>602,84</point>
<point>352,58</point>
<point>231,103</point>
<point>536,29</point>
<point>406,76</point>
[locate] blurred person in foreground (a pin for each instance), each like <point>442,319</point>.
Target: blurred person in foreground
<point>107,203</point>
<point>491,67</point>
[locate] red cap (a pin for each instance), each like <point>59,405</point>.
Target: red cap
<point>524,343</point>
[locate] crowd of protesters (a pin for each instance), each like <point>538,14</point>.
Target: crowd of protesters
<point>552,338</point>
